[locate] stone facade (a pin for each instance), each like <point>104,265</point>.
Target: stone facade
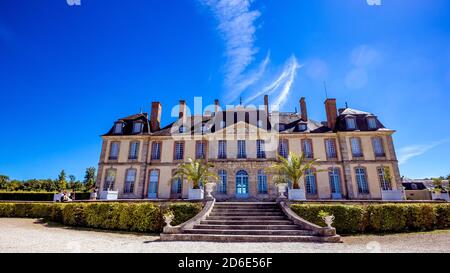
<point>347,181</point>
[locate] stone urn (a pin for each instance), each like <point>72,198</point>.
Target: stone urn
<point>168,217</point>
<point>209,187</point>
<point>329,219</point>
<point>282,187</point>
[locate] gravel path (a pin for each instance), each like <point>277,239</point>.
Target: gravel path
<point>28,235</point>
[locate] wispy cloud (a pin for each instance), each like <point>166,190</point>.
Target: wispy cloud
<point>237,26</point>
<point>408,152</point>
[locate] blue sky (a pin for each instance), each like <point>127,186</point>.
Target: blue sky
<point>67,72</point>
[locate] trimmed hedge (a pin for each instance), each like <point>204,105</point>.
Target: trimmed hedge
<point>380,218</point>
<point>139,217</point>
<point>37,196</point>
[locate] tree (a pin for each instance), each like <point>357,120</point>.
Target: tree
<point>89,178</point>
<point>4,180</point>
<point>196,171</point>
<point>291,169</point>
<point>61,182</point>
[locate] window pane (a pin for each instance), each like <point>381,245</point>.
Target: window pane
<point>222,149</point>
<point>351,123</point>
<point>283,150</point>
<point>310,182</point>
<point>307,148</point>
<point>262,182</point>
<point>335,181</point>
<point>384,180</point>
<point>156,151</point>
<point>378,146</point>
<point>137,127</point>
<point>356,147</point>
<point>260,149</point>
<point>241,149</point>
<point>361,179</point>
<point>223,182</point>
<point>179,150</point>
<point>331,148</point>
<point>372,123</point>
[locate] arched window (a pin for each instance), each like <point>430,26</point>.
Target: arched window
<point>383,177</point>
<point>110,180</point>
<point>222,182</point>
<point>335,180</point>
<point>153,184</point>
<point>262,182</point>
<point>310,179</point>
<point>242,184</point>
<point>130,179</point>
<point>177,186</point>
<point>361,179</point>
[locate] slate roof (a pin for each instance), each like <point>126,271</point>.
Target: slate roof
<point>289,120</point>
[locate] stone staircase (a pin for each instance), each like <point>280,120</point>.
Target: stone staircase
<point>246,222</point>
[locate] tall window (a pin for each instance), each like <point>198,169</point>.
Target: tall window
<point>351,123</point>
<point>307,148</point>
<point>241,149</point>
<point>179,150</point>
<point>114,151</point>
<point>260,148</point>
<point>310,179</point>
<point>361,179</point>
<point>177,186</point>
<point>372,123</point>
<point>283,148</point>
<point>335,180</point>
<point>200,150</point>
<point>222,149</point>
<point>378,148</point>
<point>134,150</point>
<point>130,178</point>
<point>137,127</point>
<point>356,147</point>
<point>330,145</point>
<point>156,151</point>
<point>153,184</point>
<point>109,180</point>
<point>383,177</point>
<point>118,128</point>
<point>262,182</point>
<point>222,182</point>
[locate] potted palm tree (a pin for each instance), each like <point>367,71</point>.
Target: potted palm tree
<point>292,170</point>
<point>198,172</point>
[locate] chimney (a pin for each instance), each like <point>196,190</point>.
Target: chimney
<point>217,106</point>
<point>266,103</point>
<point>182,109</point>
<point>331,110</point>
<point>303,110</point>
<point>155,117</point>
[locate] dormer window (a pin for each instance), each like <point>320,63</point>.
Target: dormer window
<point>222,124</point>
<point>351,123</point>
<point>118,128</point>
<point>281,127</point>
<point>182,129</point>
<point>302,127</point>
<point>372,123</point>
<point>137,127</point>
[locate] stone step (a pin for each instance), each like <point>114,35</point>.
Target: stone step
<point>248,227</point>
<point>247,217</point>
<point>248,232</point>
<point>246,222</point>
<point>247,238</point>
<point>246,210</point>
<point>248,206</point>
<point>255,213</point>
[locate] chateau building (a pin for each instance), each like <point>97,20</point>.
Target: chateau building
<point>355,152</point>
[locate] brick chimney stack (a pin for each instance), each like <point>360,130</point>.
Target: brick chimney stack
<point>266,104</point>
<point>303,110</point>
<point>182,109</point>
<point>216,106</point>
<point>331,110</point>
<point>155,117</point>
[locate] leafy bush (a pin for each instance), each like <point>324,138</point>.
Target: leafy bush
<point>37,196</point>
<point>140,217</point>
<point>380,218</point>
